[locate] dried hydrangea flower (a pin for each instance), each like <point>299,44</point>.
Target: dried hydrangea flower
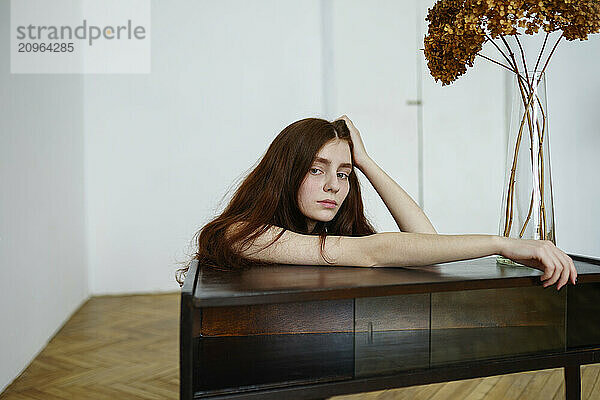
<point>452,41</point>
<point>458,28</point>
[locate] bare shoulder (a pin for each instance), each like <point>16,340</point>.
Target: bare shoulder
<point>237,226</point>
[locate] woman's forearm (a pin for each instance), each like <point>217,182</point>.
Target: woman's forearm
<point>408,215</point>
<point>385,249</point>
<point>401,249</point>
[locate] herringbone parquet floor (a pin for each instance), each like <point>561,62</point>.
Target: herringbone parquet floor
<point>127,347</point>
<point>124,347</point>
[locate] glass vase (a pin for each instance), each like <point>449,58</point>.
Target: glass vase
<point>527,210</point>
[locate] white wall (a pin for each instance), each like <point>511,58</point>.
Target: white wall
<point>162,149</point>
<point>43,274</point>
<point>377,68</point>
<point>464,147</point>
<point>373,58</point>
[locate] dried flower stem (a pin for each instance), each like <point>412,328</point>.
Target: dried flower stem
<point>524,62</point>
<point>510,195</point>
<point>495,62</point>
<point>542,179</point>
<point>548,59</point>
<point>489,39</point>
<point>510,52</point>
<point>541,52</point>
<point>528,216</point>
<point>541,161</point>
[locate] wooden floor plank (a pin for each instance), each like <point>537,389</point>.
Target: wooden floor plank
<point>537,383</point>
<point>484,387</point>
<point>99,354</point>
<point>589,379</point>
<point>455,390</point>
<point>552,385</point>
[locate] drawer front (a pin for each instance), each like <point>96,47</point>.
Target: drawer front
<point>270,345</point>
<point>490,323</point>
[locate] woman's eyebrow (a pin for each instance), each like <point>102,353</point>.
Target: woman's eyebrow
<point>327,162</point>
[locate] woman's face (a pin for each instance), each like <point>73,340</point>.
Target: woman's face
<point>327,179</point>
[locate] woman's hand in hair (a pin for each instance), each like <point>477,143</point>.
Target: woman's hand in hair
<point>359,153</point>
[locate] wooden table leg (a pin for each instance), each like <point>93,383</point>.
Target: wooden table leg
<point>573,382</point>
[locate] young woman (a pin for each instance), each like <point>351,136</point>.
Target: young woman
<point>302,205</point>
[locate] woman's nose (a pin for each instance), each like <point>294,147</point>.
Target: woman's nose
<point>332,184</point>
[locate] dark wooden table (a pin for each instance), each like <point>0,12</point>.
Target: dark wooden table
<point>309,332</point>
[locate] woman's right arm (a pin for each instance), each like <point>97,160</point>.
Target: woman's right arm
<point>425,249</point>
<point>401,249</point>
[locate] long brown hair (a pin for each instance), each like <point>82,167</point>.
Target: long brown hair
<point>268,196</point>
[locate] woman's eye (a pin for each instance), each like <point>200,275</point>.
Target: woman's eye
<point>343,174</point>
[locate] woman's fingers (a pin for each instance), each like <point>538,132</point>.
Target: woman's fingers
<point>558,267</point>
<point>574,276</point>
<point>554,264</point>
<point>555,270</point>
<point>569,270</point>
<point>564,276</point>
<point>571,267</point>
<point>547,264</point>
<point>359,152</point>
<point>562,267</point>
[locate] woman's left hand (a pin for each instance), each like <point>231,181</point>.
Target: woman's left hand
<point>359,151</point>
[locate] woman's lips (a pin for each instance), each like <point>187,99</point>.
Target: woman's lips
<point>327,204</point>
